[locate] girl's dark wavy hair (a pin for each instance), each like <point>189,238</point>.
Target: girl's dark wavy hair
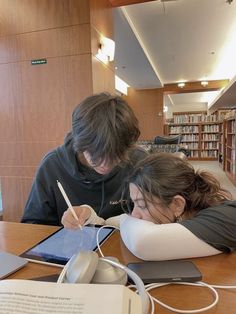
<point>164,175</point>
<point>105,126</point>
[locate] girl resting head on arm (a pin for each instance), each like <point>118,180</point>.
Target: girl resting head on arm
<point>167,189</point>
<point>178,212</point>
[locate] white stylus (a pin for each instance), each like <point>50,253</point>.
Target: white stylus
<point>68,201</point>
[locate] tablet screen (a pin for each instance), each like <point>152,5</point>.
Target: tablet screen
<point>59,247</point>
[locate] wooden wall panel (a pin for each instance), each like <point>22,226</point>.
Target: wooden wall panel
<point>101,17</point>
<point>77,79</point>
<point>11,154</point>
<point>42,107</point>
<point>101,24</point>
<point>49,93</point>
<point>8,49</point>
<point>46,96</point>
<point>148,108</point>
<point>119,3</point>
<point>50,43</point>
<point>33,152</point>
<point>8,130</point>
<point>194,87</point>
<point>11,190</point>
<point>23,16</point>
<point>103,77</point>
<point>37,101</point>
<point>9,171</point>
<point>17,155</point>
<point>18,163</point>
<point>15,190</point>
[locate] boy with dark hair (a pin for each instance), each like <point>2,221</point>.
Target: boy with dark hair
<point>94,161</point>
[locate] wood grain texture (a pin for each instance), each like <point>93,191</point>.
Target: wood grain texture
<point>37,101</point>
<point>49,94</point>
<point>101,17</point>
<point>51,43</point>
<point>191,87</point>
<point>15,238</point>
<point>26,16</point>
<point>8,82</point>
<point>103,77</point>
<point>18,171</point>
<point>12,200</point>
<point>219,269</point>
<point>148,108</point>
<point>23,154</point>
<point>119,3</point>
<point>38,121</point>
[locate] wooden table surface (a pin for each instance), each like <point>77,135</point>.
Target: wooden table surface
<point>220,270</point>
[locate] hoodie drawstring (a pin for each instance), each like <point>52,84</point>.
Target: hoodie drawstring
<point>103,196</point>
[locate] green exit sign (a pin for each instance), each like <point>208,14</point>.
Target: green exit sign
<point>38,61</point>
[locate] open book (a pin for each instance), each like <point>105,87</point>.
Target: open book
<point>27,296</point>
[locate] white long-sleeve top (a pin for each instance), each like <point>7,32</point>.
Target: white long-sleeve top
<point>211,231</point>
<point>155,242</point>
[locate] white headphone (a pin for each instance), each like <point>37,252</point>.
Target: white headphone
<point>87,267</point>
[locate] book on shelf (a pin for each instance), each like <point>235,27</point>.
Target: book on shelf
<point>28,296</point>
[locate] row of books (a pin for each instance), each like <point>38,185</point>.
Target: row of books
<point>210,145</point>
<point>194,118</point>
<point>184,129</point>
<point>210,128</point>
<point>210,137</point>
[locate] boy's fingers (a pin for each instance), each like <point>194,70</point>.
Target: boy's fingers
<point>69,221</point>
<point>83,215</point>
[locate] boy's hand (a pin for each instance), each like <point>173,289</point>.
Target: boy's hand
<point>82,212</point>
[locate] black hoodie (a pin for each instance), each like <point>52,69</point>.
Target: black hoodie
<point>83,185</point>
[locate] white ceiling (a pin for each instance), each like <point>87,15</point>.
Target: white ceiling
<point>173,41</point>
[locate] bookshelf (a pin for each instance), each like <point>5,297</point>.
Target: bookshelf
<point>224,116</point>
<point>222,145</point>
<point>199,132</point>
<point>209,140</point>
<point>230,141</point>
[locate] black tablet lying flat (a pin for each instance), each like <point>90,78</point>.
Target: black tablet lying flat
<point>166,271</point>
<point>59,247</point>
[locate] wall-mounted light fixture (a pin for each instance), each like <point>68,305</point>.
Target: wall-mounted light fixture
<point>204,83</point>
<point>181,85</point>
<point>106,50</point>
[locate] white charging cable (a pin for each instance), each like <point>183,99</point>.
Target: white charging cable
<point>97,237</point>
<point>201,284</point>
<point>149,287</point>
<point>223,287</point>
<point>136,279</point>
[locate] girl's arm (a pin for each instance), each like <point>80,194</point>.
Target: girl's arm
<point>155,242</point>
